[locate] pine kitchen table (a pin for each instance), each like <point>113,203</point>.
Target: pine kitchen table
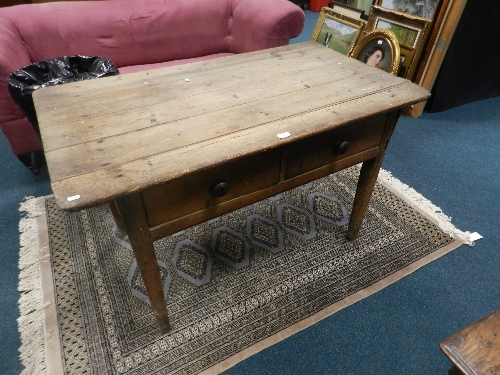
<point>173,147</point>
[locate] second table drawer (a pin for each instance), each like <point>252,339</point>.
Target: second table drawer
<point>314,152</point>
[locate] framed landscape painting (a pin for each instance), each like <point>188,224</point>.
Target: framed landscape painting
<point>337,31</point>
<point>419,8</point>
<point>407,35</point>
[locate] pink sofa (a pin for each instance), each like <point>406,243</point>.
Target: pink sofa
<point>135,35</point>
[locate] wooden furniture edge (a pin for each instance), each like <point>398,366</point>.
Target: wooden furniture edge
<point>439,48</point>
<point>449,351</point>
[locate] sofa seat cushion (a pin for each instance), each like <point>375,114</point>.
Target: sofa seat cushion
<point>138,68</point>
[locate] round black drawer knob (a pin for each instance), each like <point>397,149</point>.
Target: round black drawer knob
<point>219,189</point>
<point>341,147</point>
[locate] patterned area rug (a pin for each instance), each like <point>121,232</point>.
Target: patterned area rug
<point>234,285</point>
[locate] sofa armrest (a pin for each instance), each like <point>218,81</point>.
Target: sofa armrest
<point>13,56</point>
<point>260,24</point>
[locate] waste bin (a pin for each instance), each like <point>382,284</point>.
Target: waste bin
<point>54,72</point>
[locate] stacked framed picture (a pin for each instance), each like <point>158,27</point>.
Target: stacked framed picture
<point>362,5</point>
<point>423,28</point>
<point>338,31</point>
<point>420,8</point>
<point>411,31</point>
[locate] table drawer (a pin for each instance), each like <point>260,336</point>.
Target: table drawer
<point>203,190</point>
<point>326,148</point>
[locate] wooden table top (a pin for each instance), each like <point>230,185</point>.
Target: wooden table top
<point>112,136</point>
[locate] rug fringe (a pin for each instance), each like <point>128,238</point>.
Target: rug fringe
<point>423,204</point>
<point>31,321</point>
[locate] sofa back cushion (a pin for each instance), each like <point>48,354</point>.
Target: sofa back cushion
<point>128,32</point>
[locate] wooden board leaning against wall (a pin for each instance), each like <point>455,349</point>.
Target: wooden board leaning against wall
<point>444,24</point>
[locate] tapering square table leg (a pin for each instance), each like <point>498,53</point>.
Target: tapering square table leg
<point>134,220</point>
<point>367,179</point>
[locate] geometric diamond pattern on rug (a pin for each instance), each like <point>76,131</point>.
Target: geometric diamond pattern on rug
<point>265,233</point>
<point>296,221</point>
<point>306,186</point>
<point>121,237</point>
<point>137,285</point>
<point>192,262</point>
<point>230,247</point>
<point>246,208</point>
<point>211,324</point>
<point>328,208</point>
<point>276,197</point>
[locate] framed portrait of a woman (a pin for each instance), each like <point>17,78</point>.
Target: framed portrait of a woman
<point>379,49</point>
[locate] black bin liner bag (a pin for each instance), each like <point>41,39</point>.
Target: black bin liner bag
<point>53,72</point>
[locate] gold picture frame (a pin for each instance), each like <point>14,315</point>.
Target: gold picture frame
<point>362,5</point>
<point>382,40</point>
<point>337,31</point>
<point>422,8</point>
<point>411,31</point>
<point>348,10</point>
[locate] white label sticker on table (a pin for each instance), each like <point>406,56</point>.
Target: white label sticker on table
<point>284,135</point>
<point>73,198</point>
